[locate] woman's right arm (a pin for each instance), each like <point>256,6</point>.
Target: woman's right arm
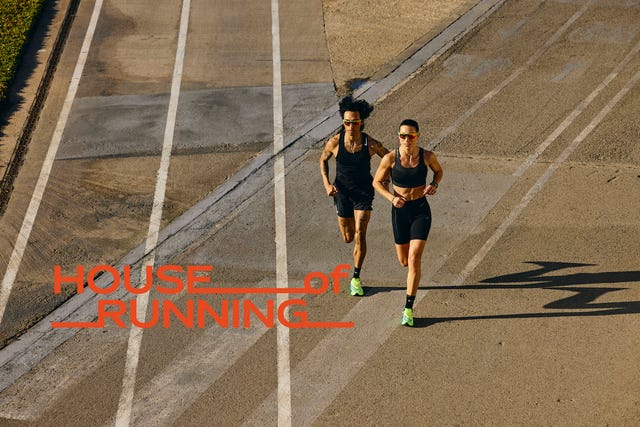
<point>382,177</point>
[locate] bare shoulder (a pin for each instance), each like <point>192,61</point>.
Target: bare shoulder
<point>429,155</point>
<point>333,141</point>
<point>431,160</point>
<point>331,147</point>
<point>389,158</point>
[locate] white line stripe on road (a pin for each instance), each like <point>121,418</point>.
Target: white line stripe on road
<point>36,198</point>
<point>282,279</point>
<point>489,96</point>
<point>123,416</point>
<point>358,317</point>
<point>575,113</point>
<point>513,215</point>
<point>427,54</point>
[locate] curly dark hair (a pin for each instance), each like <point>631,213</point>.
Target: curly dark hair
<point>361,106</point>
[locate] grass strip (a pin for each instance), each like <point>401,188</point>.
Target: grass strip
<point>17,18</point>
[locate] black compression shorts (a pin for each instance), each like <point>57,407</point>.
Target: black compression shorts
<point>412,221</point>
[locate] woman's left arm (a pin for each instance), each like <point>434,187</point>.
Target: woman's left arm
<point>431,160</point>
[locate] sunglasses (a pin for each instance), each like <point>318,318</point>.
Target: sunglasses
<point>408,135</point>
<point>351,122</point>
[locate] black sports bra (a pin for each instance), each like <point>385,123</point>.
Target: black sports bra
<point>409,177</point>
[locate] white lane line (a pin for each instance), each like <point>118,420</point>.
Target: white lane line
<point>123,416</point>
<point>36,198</point>
<point>513,215</point>
<point>576,112</point>
<point>282,279</point>
<point>489,96</point>
<point>429,53</point>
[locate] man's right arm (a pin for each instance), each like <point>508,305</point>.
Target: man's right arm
<point>327,153</point>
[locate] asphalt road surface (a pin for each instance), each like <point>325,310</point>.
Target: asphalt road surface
<point>190,137</point>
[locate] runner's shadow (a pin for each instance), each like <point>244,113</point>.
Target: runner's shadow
<point>543,278</point>
<point>372,290</point>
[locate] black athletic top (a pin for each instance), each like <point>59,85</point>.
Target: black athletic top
<point>409,177</point>
<point>353,169</point>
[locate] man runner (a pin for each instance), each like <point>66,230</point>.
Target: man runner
<point>352,190</point>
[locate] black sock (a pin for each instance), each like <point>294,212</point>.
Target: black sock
<point>410,300</point>
<point>356,272</point>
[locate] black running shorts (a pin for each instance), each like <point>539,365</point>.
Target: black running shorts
<point>412,221</point>
<point>346,200</point>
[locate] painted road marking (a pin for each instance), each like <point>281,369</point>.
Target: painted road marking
<point>429,53</point>
<point>576,112</point>
<point>41,340</point>
<point>42,393</point>
<point>575,67</point>
<point>490,95</point>
<point>36,198</point>
<point>123,416</point>
<point>603,116</point>
<point>282,279</point>
<point>336,359</point>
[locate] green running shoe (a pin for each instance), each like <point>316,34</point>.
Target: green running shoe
<point>356,287</point>
<point>407,317</point>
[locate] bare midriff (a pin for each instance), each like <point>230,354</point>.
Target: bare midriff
<point>409,193</point>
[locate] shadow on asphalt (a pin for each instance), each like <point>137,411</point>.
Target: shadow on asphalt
<point>542,278</point>
<point>372,290</point>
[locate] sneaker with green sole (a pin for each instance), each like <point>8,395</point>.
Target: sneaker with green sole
<point>356,287</point>
<point>407,317</point>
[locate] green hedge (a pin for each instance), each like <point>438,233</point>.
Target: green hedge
<point>16,19</point>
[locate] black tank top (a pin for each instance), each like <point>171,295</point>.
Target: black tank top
<point>353,169</point>
<point>409,177</point>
